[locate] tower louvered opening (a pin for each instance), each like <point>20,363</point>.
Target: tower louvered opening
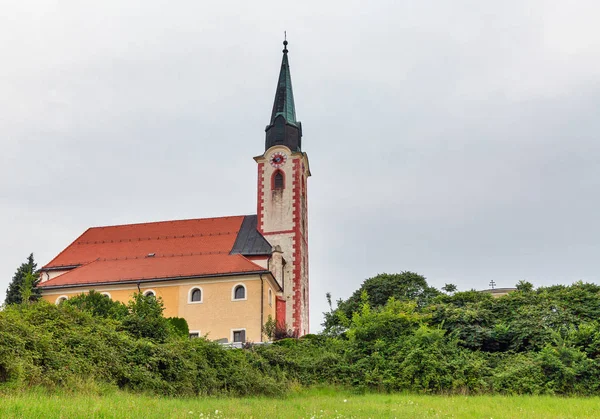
<point>278,182</point>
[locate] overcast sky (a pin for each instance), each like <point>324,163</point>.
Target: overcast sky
<point>456,139</point>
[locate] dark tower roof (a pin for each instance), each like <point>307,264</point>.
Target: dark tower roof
<point>283,128</point>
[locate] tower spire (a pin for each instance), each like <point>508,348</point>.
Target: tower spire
<point>283,127</point>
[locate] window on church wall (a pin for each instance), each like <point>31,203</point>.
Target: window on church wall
<point>239,336</point>
<point>278,181</point>
<point>239,293</point>
<point>195,295</point>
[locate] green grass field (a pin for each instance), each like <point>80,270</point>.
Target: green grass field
<point>322,403</point>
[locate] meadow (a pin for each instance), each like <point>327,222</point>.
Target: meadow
<point>312,403</point>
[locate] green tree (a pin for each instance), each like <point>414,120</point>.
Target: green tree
<point>179,326</point>
<point>524,286</point>
<point>99,305</point>
<point>27,287</point>
<point>145,318</point>
<point>449,288</point>
<point>18,286</point>
<point>405,286</point>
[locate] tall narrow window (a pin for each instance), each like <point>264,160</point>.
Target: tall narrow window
<point>278,182</point>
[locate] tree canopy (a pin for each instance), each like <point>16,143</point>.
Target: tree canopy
<point>405,286</point>
<point>24,283</point>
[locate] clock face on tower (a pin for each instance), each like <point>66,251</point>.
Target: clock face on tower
<point>278,159</point>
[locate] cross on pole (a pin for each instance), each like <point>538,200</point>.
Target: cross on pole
<point>492,284</point>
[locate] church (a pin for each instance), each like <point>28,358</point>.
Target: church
<point>226,276</point>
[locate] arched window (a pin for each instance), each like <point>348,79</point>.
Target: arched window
<point>61,299</point>
<point>270,297</point>
<point>107,294</point>
<point>239,292</point>
<point>150,293</point>
<point>278,180</point>
<point>195,295</point>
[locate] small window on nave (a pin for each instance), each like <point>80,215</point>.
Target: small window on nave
<point>196,295</point>
<point>239,293</point>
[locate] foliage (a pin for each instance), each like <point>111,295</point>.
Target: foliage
<point>62,346</point>
<point>449,288</point>
<point>98,304</point>
<point>531,341</point>
<point>24,283</point>
<point>179,326</point>
<point>405,286</point>
<point>524,286</point>
<point>145,319</point>
<point>274,331</point>
<point>27,287</point>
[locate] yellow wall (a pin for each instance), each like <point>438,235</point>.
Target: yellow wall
<point>216,316</point>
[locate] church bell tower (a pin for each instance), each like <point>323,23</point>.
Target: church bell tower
<point>283,171</point>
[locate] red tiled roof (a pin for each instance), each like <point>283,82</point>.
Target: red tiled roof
<point>145,268</point>
<point>162,238</point>
<point>183,248</point>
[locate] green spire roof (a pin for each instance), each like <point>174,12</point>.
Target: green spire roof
<point>284,96</point>
<point>284,129</point>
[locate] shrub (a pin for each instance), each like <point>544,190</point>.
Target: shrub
<point>145,319</point>
<point>179,326</point>
<point>98,305</point>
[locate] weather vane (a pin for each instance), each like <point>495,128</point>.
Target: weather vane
<point>492,284</point>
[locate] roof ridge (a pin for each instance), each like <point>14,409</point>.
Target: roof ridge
<point>183,236</point>
<point>165,221</point>
<point>164,255</point>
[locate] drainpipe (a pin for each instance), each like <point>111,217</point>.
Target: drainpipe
<point>262,297</point>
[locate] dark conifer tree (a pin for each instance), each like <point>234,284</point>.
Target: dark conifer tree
<point>15,288</point>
